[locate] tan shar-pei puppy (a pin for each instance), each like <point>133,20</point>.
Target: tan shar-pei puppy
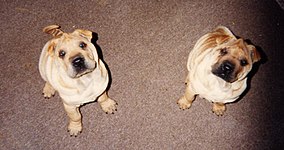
<point>218,67</point>
<point>70,65</point>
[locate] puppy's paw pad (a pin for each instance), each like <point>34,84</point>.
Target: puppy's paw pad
<point>48,92</point>
<point>74,130</point>
<point>184,103</point>
<point>109,106</point>
<point>219,110</point>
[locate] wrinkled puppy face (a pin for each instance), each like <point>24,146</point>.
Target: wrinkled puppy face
<point>74,53</point>
<point>235,60</point>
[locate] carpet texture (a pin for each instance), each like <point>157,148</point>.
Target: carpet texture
<point>146,46</point>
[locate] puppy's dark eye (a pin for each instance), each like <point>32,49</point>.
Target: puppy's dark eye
<point>62,53</point>
<point>223,51</point>
<point>83,45</point>
<point>244,62</point>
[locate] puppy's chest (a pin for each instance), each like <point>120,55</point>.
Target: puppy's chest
<point>213,93</point>
<point>83,84</point>
<point>210,87</point>
<point>84,91</point>
<point>88,84</point>
<point>77,91</point>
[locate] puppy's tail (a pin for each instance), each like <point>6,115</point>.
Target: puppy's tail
<point>54,30</point>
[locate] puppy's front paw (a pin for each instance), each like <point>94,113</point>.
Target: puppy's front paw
<point>108,106</point>
<point>184,103</point>
<point>48,91</point>
<point>219,109</point>
<point>74,129</point>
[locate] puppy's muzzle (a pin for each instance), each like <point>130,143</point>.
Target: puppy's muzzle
<point>79,64</point>
<point>225,71</point>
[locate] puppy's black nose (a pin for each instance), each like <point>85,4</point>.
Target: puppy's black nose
<point>227,67</point>
<point>79,63</point>
<point>225,71</point>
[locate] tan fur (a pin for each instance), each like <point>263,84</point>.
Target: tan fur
<point>206,57</point>
<point>75,86</point>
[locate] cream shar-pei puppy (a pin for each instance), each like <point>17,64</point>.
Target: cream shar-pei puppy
<point>70,65</point>
<point>218,67</point>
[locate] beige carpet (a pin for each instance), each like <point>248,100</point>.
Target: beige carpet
<point>146,45</point>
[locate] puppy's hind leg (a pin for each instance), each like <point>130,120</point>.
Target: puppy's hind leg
<point>185,101</point>
<point>75,119</point>
<point>108,105</point>
<point>48,90</point>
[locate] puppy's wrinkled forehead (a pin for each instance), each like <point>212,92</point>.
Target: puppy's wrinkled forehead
<point>69,37</point>
<point>68,40</point>
<point>238,48</point>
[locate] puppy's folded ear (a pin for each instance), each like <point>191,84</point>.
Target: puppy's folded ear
<point>223,34</point>
<point>54,30</point>
<point>51,48</point>
<point>83,33</point>
<point>222,39</point>
<point>255,55</point>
